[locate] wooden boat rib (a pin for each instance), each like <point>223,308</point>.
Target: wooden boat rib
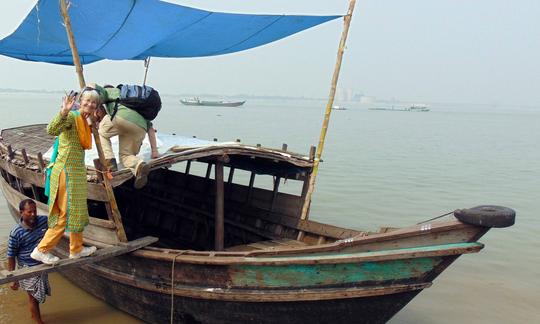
<point>264,272</point>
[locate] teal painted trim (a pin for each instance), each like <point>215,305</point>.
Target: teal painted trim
<point>330,274</point>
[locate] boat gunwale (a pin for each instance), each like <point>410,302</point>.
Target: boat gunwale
<point>385,255</point>
<point>291,255</point>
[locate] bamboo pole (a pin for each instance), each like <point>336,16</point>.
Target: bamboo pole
<point>320,147</point>
<point>115,213</point>
<point>72,45</point>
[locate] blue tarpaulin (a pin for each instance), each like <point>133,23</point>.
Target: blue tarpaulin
<point>137,29</point>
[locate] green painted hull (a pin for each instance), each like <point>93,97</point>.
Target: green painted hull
<point>336,271</point>
<point>330,274</point>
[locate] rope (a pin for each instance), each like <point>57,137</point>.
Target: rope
<point>172,284</point>
<point>105,174</point>
<point>146,65</point>
<point>434,218</point>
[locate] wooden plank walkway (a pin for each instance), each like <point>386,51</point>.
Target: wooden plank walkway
<point>99,255</point>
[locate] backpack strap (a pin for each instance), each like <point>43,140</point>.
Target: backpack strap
<point>115,108</point>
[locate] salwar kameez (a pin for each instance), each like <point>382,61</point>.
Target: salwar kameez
<point>68,209</point>
<point>55,233</point>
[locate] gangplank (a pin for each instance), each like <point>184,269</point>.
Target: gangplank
<point>99,255</point>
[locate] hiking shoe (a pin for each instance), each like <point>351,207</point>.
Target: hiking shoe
<point>46,257</point>
<point>141,175</point>
<point>86,251</point>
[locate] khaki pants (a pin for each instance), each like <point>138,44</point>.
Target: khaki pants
<point>53,235</point>
<point>130,138</point>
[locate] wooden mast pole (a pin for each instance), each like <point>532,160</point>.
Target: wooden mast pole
<point>71,39</point>
<point>114,212</point>
<point>329,104</point>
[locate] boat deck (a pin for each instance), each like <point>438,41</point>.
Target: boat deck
<point>33,138</point>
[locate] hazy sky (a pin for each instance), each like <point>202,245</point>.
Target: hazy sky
<point>479,51</point>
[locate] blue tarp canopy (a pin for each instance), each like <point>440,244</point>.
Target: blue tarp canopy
<point>137,29</point>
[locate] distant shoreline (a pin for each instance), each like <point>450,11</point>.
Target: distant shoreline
<point>278,97</point>
<point>9,90</point>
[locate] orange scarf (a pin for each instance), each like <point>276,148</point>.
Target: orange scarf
<point>84,132</point>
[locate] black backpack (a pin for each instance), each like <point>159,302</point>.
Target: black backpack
<point>143,99</point>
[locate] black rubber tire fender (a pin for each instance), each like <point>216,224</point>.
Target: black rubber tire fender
<point>487,216</point>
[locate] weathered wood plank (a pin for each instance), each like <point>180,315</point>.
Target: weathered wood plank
<point>100,255</point>
<point>102,222</point>
<point>101,234</point>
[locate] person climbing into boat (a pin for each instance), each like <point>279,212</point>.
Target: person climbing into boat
<point>131,128</point>
<point>66,178</point>
<point>99,113</point>
<point>23,238</point>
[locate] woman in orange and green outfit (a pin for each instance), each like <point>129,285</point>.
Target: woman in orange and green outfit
<point>67,187</point>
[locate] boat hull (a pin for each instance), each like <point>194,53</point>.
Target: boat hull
<point>347,285</point>
<point>124,283</point>
<point>155,307</point>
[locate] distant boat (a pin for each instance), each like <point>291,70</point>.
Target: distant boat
<point>415,107</point>
<point>219,103</point>
<point>418,107</point>
<point>338,108</point>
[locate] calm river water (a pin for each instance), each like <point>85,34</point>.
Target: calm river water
<point>380,168</point>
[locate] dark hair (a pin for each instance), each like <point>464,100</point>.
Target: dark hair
<point>25,202</point>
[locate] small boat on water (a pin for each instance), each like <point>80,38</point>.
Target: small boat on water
<point>418,108</point>
<point>218,103</point>
<point>338,108</point>
<point>413,108</point>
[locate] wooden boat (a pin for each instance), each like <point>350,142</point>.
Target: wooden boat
<point>413,108</point>
<point>219,103</point>
<point>418,108</point>
<point>274,266</point>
